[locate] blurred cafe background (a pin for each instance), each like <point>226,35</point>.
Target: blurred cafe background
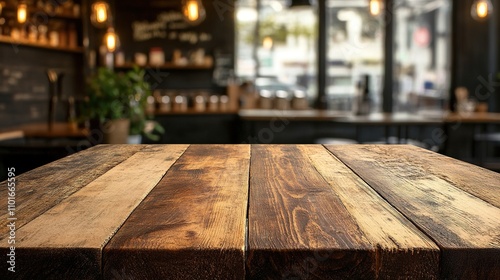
<point>78,73</point>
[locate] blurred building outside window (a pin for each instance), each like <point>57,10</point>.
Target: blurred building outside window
<point>284,55</point>
<point>355,50</point>
<point>285,52</point>
<point>422,44</point>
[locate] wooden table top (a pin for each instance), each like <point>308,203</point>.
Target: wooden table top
<point>255,212</point>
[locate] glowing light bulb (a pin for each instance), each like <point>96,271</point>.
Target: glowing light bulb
<point>22,13</point>
<point>100,14</point>
<point>481,9</point>
<point>193,11</point>
<point>375,7</point>
<point>111,40</point>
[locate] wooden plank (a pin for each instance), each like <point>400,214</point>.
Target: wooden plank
<point>39,190</point>
<point>403,251</point>
<point>192,225</point>
<point>8,135</point>
<point>66,241</point>
<point>466,228</point>
<point>460,174</point>
<point>297,226</point>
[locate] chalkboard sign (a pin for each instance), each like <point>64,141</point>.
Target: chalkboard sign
<point>24,83</point>
<point>155,24</point>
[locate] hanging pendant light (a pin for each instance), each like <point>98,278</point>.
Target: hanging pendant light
<point>299,4</point>
<point>22,12</point>
<point>100,16</point>
<point>481,9</point>
<point>111,40</point>
<point>376,7</point>
<point>193,11</point>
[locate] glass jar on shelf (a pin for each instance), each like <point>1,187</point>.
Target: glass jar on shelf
<point>54,38</point>
<point>15,33</point>
<point>156,57</point>
<point>40,4</point>
<point>33,34</point>
<point>2,26</point>
<point>42,34</point>
<point>72,36</point>
<point>68,7</point>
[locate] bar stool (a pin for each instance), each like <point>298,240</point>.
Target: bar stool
<point>483,141</point>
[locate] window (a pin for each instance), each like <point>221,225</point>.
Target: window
<point>284,54</point>
<point>422,58</point>
<point>355,50</point>
<point>286,47</point>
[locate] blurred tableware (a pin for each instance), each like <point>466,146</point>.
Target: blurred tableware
<point>141,59</point>
<point>224,103</point>
<point>180,103</point>
<point>199,103</point>
<point>266,99</point>
<point>213,103</point>
<point>282,101</point>
<point>165,103</point>
<point>299,101</point>
<point>156,57</point>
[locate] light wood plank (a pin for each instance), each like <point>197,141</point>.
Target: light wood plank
<point>75,231</point>
<point>192,225</point>
<point>473,179</point>
<point>8,135</point>
<point>403,251</point>
<point>466,228</point>
<point>39,190</point>
<point>298,226</point>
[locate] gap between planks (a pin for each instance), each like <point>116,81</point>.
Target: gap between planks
<point>383,198</point>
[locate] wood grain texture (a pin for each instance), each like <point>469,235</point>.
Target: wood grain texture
<point>298,227</point>
<point>66,241</point>
<point>466,228</point>
<point>473,179</point>
<point>403,251</point>
<point>192,225</point>
<point>39,190</point>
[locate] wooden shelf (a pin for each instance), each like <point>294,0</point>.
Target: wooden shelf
<point>191,111</point>
<point>167,66</point>
<point>50,15</point>
<point>7,40</point>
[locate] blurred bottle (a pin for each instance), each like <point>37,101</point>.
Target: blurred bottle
<point>364,100</point>
<point>233,92</point>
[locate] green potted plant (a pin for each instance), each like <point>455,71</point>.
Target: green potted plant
<point>140,123</point>
<point>107,105</point>
<point>116,102</point>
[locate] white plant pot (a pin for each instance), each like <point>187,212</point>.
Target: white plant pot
<point>134,139</point>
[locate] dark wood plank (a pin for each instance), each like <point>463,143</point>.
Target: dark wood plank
<point>403,251</point>
<point>466,228</point>
<point>66,241</point>
<point>298,227</point>
<point>39,190</point>
<point>192,225</point>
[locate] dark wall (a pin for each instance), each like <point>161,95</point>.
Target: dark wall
<point>475,54</point>
<point>216,35</point>
<point>24,91</point>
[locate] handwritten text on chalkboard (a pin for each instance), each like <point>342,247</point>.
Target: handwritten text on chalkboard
<point>167,25</point>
